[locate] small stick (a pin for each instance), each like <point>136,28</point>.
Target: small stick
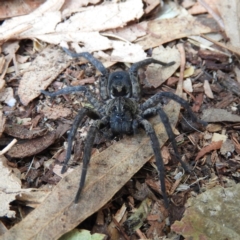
<point>7,148</point>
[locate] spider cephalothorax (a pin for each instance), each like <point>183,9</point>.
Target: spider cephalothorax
<point>120,110</point>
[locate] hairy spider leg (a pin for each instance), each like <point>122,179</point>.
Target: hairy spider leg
<point>157,153</point>
<point>98,65</point>
<point>81,114</point>
<point>167,125</point>
<point>171,136</point>
<point>154,100</point>
<point>87,153</point>
<point>68,90</point>
<point>133,73</point>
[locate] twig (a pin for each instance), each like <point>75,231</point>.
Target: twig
<point>183,62</point>
<point>120,229</point>
<point>211,12</point>
<point>7,148</point>
<point>140,234</point>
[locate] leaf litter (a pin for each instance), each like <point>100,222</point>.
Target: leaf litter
<point>122,40</point>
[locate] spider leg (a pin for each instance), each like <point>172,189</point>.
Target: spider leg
<point>171,136</point>
<point>68,90</point>
<point>81,114</point>
<point>87,153</point>
<point>154,100</point>
<point>157,153</point>
<point>99,66</point>
<point>133,73</point>
<point>167,125</point>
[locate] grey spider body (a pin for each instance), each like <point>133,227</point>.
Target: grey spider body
<point>119,108</point>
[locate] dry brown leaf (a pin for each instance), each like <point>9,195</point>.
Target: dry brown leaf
<point>167,30</point>
<point>14,27</point>
<point>197,9</point>
<point>219,137</point>
<point>231,21</point>
<point>127,52</point>
<point>187,85</point>
<point>92,41</point>
<point>7,97</point>
<point>12,8</point>
<point>55,112</point>
<point>151,4</point>
<point>34,197</point>
<point>207,89</point>
<point>103,17</point>
<point>155,73</point>
<point>19,131</point>
<point>2,62</point>
<point>9,49</point>
<point>33,146</point>
<point>10,186</point>
<point>129,33</point>
<point>213,127</point>
<point>165,154</point>
<point>72,6</point>
<point>198,102</point>
<point>212,146</point>
<point>219,115</point>
<point>2,122</point>
<point>58,213</point>
<point>43,70</point>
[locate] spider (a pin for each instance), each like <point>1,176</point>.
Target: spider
<point>119,110</point>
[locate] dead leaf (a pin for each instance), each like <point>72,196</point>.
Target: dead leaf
<point>187,85</point>
<point>219,115</point>
<point>19,131</point>
<point>136,220</point>
<point>43,70</point>
<point>151,4</point>
<point>212,146</point>
<point>108,16</point>
<point>197,102</point>
<point>228,82</point>
<point>82,234</point>
<point>2,122</point>
<point>92,41</point>
<point>127,52</point>
<point>10,186</point>
<point>55,112</point>
<point>207,89</point>
<point>166,30</point>
<point>2,62</point>
<point>129,33</point>
<point>157,74</point>
<point>7,97</point>
<point>227,147</point>
<point>72,6</point>
<point>212,127</point>
<point>31,147</point>
<point>219,137</point>
<point>14,27</point>
<point>9,49</point>
<point>34,197</point>
<point>12,8</point>
<point>211,215</point>
<point>231,21</point>
<point>58,213</point>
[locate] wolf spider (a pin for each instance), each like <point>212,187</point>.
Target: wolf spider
<point>120,111</point>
